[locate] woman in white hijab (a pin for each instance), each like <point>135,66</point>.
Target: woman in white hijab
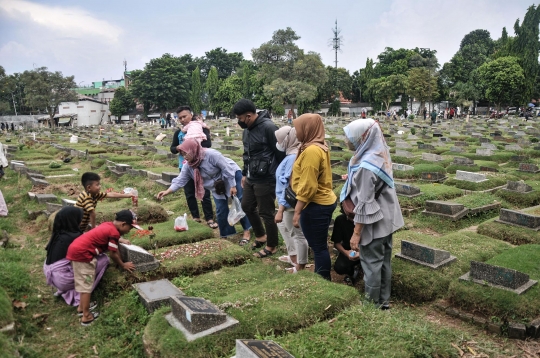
<point>377,215</point>
<point>3,164</point>
<point>297,245</point>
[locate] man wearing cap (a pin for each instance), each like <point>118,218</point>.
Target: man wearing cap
<point>83,251</point>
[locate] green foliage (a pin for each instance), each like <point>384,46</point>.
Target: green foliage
<point>97,163</point>
<point>163,83</point>
<point>6,312</point>
<point>416,173</point>
<point>421,84</point>
<point>491,183</point>
<point>195,95</point>
<point>225,63</point>
<point>55,165</point>
<point>502,79</point>
<point>386,89</point>
<point>229,92</point>
<point>212,86</point>
<point>167,236</point>
<point>520,200</point>
<point>513,234</point>
<point>121,103</point>
<point>429,192</point>
<point>476,200</point>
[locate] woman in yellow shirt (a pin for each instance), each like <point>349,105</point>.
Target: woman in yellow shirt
<point>312,182</point>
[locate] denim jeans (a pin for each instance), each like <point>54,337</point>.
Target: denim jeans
<point>314,221</point>
<point>189,191</point>
<point>222,210</point>
<point>259,203</point>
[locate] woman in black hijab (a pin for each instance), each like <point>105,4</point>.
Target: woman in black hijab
<point>65,230</point>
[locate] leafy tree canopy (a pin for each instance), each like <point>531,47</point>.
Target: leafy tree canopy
<point>502,80</point>
<point>122,102</point>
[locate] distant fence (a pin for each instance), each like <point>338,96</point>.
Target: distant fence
<point>27,121</point>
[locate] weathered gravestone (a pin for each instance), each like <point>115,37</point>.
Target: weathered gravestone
<point>154,294</point>
<point>519,218</point>
<point>488,146</point>
<point>431,157</point>
<point>445,209</point>
<point>403,145</point>
<point>457,149</point>
<point>196,317</point>
<point>396,166</point>
<point>404,153</point>
<point>470,176</point>
<point>461,144</point>
<point>488,169</point>
<point>527,167</point>
<point>142,259</point>
<point>463,161</point>
<point>46,198</point>
<point>407,190</point>
<point>518,158</point>
<point>433,176</point>
<point>500,277</point>
<point>425,146</point>
<point>252,348</point>
<point>424,255</point>
<point>485,152</point>
<point>512,147</point>
<point>518,187</point>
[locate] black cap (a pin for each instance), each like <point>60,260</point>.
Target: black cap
<point>129,217</point>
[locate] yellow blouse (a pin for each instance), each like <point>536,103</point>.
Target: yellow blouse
<point>311,177</point>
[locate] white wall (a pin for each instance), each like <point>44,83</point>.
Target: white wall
<point>88,112</point>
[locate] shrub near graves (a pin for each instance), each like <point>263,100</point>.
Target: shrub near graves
<point>414,283</point>
<point>492,301</point>
<point>263,298</point>
<point>429,192</point>
<point>416,173</point>
<point>513,234</point>
<point>493,182</point>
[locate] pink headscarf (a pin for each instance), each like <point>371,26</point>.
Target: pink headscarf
<point>196,152</point>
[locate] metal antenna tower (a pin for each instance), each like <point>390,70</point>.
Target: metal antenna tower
<point>336,42</point>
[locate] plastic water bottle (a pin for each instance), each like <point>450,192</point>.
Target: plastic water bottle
<point>135,197</point>
<point>352,254</point>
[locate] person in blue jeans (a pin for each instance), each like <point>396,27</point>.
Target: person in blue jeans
<point>210,170</point>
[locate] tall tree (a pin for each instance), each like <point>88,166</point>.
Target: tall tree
<point>291,76</point>
<point>386,89</point>
<point>366,74</point>
<point>46,90</point>
<point>526,47</point>
<point>502,80</point>
<point>422,85</point>
<point>229,92</point>
<point>212,86</point>
<point>163,84</point>
<point>195,95</point>
<point>6,90</point>
<point>225,63</point>
<point>122,102</point>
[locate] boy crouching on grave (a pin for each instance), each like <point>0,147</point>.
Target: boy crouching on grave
<point>83,251</point>
<point>88,199</point>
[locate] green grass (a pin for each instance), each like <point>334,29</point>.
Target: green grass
<point>419,221</point>
<point>402,160</point>
<point>6,312</point>
<point>513,234</point>
<point>520,200</point>
<point>476,200</point>
<point>264,299</point>
<point>497,302</point>
<point>167,236</point>
<point>403,333</point>
<point>452,168</point>
<point>416,173</point>
<point>414,283</point>
<point>491,183</point>
<point>432,191</point>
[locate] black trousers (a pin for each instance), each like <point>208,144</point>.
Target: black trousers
<point>258,203</point>
<point>189,190</point>
<point>344,266</point>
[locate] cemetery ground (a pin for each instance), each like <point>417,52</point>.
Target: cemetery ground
<point>466,188</point>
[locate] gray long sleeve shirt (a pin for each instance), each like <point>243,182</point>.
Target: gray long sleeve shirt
<point>214,166</point>
<point>380,217</point>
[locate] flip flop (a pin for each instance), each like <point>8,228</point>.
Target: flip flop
<point>212,224</point>
<point>258,244</point>
<point>263,254</point>
<point>87,323</point>
<point>243,242</point>
<point>286,259</point>
<point>93,306</point>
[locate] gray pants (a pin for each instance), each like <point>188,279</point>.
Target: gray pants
<point>294,238</point>
<point>375,259</point>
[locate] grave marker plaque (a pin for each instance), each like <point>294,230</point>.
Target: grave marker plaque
<point>433,176</point>
<point>251,348</point>
<point>424,255</point>
<point>154,294</point>
<point>470,177</point>
<point>445,209</point>
<point>500,277</point>
<point>407,190</point>
<point>527,167</point>
<point>518,186</point>
<point>396,166</point>
<point>142,259</point>
<point>519,218</point>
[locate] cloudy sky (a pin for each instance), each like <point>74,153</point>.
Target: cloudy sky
<point>91,39</point>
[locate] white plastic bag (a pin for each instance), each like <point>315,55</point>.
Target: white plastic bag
<point>74,139</point>
<point>180,224</point>
<point>235,212</point>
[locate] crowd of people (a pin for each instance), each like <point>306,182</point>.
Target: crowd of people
<point>290,164</point>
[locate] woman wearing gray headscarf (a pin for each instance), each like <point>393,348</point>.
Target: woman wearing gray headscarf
<point>297,245</point>
<point>377,214</point>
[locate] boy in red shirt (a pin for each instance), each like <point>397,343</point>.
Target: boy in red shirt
<point>83,250</point>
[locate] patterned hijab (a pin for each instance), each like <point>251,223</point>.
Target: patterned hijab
<point>310,131</point>
<point>286,137</point>
<point>196,152</point>
<point>372,152</point>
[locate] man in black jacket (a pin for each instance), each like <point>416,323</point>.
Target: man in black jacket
<point>184,117</point>
<point>261,159</point>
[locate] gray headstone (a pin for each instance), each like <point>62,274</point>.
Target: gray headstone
<point>518,186</point>
<point>426,146</point>
<point>512,147</point>
<point>463,161</point>
<point>470,176</point>
<point>457,149</point>
<point>489,169</point>
<point>251,348</point>
<point>527,167</point>
<point>407,190</point>
<point>154,294</point>
<point>403,145</point>
<point>396,166</point>
<point>445,209</point>
<point>433,176</point>
<point>500,277</point>
<point>431,157</point>
<point>68,202</point>
<point>486,152</point>
<point>519,218</point>
<point>46,198</point>
<point>169,176</point>
<point>424,255</point>
<point>142,259</point>
<point>404,153</point>
<point>122,167</point>
<point>488,146</point>
<point>461,144</point>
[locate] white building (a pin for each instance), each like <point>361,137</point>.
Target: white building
<point>89,112</point>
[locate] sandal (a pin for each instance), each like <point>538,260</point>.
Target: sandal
<point>263,253</point>
<point>286,259</point>
<point>197,220</point>
<point>291,270</point>
<point>243,242</point>
<point>212,224</point>
<point>258,244</point>
<point>93,306</point>
<point>95,315</point>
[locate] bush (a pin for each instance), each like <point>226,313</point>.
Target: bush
<point>97,163</point>
<point>54,165</point>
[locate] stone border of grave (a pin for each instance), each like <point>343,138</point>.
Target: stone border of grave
<point>152,304</point>
<point>519,290</point>
<point>261,348</point>
<point>492,190</point>
<point>433,266</point>
<point>487,207</point>
<point>454,217</point>
<point>174,322</point>
<point>514,224</point>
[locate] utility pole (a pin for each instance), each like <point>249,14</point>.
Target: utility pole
<point>14,106</point>
<point>336,42</point>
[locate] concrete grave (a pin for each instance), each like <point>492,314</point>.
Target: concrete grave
<point>403,145</point>
<point>470,176</point>
<point>396,166</point>
<point>512,147</point>
<point>518,187</point>
<point>500,277</point>
<point>46,198</point>
<point>527,167</point>
<point>431,157</point>
<point>433,176</point>
<point>142,259</point>
<point>486,152</point>
<point>461,144</point>
<point>196,317</point>
<point>169,176</point>
<point>445,209</point>
<point>518,158</point>
<point>404,153</point>
<point>457,149</point>
<point>519,218</point>
<point>463,161</point>
<point>488,169</point>
<point>68,202</point>
<point>52,207</point>
<point>488,146</point>
<point>424,255</point>
<point>426,146</point>
<point>407,190</point>
<point>154,294</point>
<point>252,348</point>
